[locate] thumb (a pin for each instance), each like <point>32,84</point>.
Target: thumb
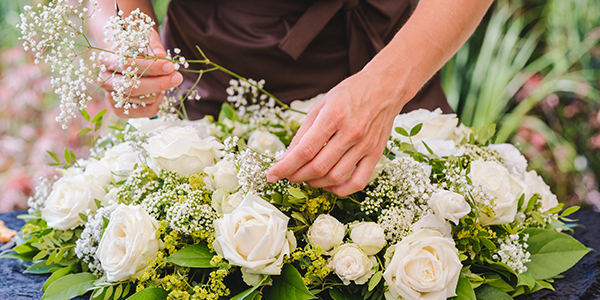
<point>156,45</point>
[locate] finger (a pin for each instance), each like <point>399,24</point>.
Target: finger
<point>306,125</point>
<point>144,99</point>
<point>341,171</point>
<point>306,149</point>
<point>360,177</point>
<point>326,159</point>
<point>148,85</point>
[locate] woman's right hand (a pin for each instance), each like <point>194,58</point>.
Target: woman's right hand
<point>160,76</point>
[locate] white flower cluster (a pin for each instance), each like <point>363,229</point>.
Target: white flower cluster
<point>252,106</point>
<point>87,245</point>
<point>54,33</point>
<point>513,252</point>
<point>252,174</point>
<point>42,191</point>
<point>189,216</point>
<point>129,37</point>
<point>396,223</point>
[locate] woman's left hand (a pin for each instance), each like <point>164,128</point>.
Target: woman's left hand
<point>342,137</point>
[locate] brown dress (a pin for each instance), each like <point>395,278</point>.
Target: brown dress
<point>300,47</point>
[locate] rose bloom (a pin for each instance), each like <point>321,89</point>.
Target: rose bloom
<point>514,161</point>
<point>223,175</point>
<point>432,222</point>
<point>349,262</point>
<point>449,205</point>
<point>536,185</point>
<point>127,243</point>
<point>436,125</point>
<point>300,105</point>
<point>263,141</point>
<point>327,232</point>
<point>117,163</point>
<point>70,196</point>
<point>440,148</point>
<point>181,150</point>
<point>255,237</point>
<point>498,182</point>
<point>369,236</point>
<point>424,265</point>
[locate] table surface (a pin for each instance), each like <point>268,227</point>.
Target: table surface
<point>582,282</point>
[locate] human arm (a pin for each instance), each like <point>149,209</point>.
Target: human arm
<point>160,74</point>
<point>345,133</point>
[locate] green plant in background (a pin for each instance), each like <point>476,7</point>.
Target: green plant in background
<point>483,79</point>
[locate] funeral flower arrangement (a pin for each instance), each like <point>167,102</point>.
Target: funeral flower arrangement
<point>168,208</point>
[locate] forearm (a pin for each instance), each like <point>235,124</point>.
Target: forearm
<point>433,34</point>
<point>96,26</point>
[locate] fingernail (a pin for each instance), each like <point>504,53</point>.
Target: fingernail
<point>168,67</point>
<point>176,79</point>
<point>272,178</point>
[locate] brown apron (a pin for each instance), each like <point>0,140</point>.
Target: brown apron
<point>300,47</point>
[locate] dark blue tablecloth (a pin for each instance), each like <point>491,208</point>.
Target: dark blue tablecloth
<point>582,282</point>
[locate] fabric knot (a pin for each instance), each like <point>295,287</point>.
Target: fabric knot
<point>350,4</point>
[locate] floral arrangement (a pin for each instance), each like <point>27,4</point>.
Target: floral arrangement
<point>168,208</point>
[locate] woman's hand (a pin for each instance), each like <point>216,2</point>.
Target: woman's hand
<point>160,76</point>
<point>343,137</point>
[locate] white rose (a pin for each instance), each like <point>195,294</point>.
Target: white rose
<point>369,236</point>
<point>148,125</point>
<point>111,197</point>
<point>201,125</point>
<point>254,236</point>
<point>127,243</point>
<point>217,199</point>
<point>71,196</point>
<point>514,161</point>
<point>121,160</point>
<point>300,105</point>
<point>224,176</point>
<point>424,265</point>
<point>99,170</point>
<point>449,205</point>
<point>179,149</point>
<point>498,182</point>
<point>232,202</point>
<point>432,222</point>
<point>349,262</point>
<point>261,141</point>
<point>327,232</point>
<point>436,126</point>
<point>536,185</point>
<point>440,148</point>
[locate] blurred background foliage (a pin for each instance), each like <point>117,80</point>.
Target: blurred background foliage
<point>532,66</point>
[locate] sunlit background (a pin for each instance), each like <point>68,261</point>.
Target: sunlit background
<point>532,66</point>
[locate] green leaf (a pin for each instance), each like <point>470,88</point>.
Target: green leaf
<point>40,255</point>
<point>83,131</point>
<point>70,286</point>
<point>150,294</point>
<point>97,293</point>
<point>226,112</point>
<point>83,217</point>
<point>54,156</point>
<point>126,290</point>
<point>289,285</point>
<point>464,290</point>
<point>99,116</point>
<point>487,291</point>
<point>526,279</point>
<point>56,275</point>
<point>249,293</point>
<point>109,292</point>
<point>340,295</point>
<point>375,279</point>
<point>552,252</point>
<point>569,211</point>
<point>402,131</point>
<point>415,130</point>
<point>540,284</point>
<point>298,216</point>
<point>41,268</point>
<point>85,114</point>
<point>194,256</point>
<point>67,156</point>
<point>487,243</point>
<point>118,291</point>
<point>297,193</point>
